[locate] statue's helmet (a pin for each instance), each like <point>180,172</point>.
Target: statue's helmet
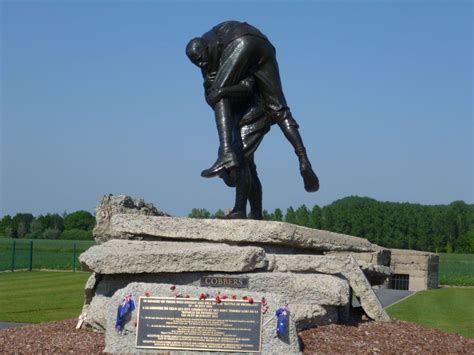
<point>197,51</point>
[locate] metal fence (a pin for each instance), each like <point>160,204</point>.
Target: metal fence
<point>38,254</point>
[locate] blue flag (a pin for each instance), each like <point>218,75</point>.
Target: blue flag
<point>126,306</point>
<point>282,321</point>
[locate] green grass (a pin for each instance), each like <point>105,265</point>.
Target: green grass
<point>47,254</point>
<point>34,297</point>
<point>456,269</point>
<point>447,309</point>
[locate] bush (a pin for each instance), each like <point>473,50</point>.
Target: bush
<point>79,220</point>
<point>76,234</point>
<point>51,233</point>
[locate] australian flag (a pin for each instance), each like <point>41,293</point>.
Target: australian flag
<point>125,307</point>
<point>282,321</point>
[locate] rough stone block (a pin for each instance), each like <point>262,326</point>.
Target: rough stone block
<point>308,290</point>
<point>379,257</point>
<point>110,205</point>
<point>344,265</point>
<point>133,257</point>
<point>122,217</point>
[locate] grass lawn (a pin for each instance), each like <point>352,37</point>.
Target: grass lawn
<point>35,297</point>
<point>447,309</point>
<point>456,269</point>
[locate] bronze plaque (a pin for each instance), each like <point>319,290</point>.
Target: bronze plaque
<point>193,324</point>
<point>225,281</point>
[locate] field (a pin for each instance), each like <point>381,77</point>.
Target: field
<point>47,254</point>
<point>456,269</point>
<point>447,309</point>
<point>34,297</point>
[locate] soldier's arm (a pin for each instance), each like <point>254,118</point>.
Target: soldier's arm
<point>243,89</point>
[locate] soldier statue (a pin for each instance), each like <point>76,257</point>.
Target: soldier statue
<point>242,85</point>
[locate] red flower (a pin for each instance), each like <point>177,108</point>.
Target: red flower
<point>202,296</point>
<point>224,297</point>
<point>234,297</point>
<point>173,287</point>
<point>218,299</point>
<point>264,301</point>
<point>245,298</point>
<point>147,294</point>
<point>249,299</point>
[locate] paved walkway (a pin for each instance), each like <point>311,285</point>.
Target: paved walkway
<point>387,296</point>
<point>4,325</point>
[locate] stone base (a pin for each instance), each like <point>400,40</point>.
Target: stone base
<point>124,342</point>
<point>144,250</point>
<point>318,295</point>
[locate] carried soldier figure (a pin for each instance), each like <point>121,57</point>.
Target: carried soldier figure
<point>241,78</point>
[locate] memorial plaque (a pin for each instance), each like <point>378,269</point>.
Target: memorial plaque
<point>193,324</point>
<point>225,281</point>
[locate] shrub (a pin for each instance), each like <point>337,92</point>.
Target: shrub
<point>76,234</point>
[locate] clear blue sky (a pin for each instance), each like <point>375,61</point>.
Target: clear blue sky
<point>99,97</point>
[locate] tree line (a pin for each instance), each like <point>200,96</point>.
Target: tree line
<point>74,226</point>
<point>436,228</point>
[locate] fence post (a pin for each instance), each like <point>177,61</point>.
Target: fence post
<point>31,255</point>
<point>13,255</point>
<point>74,258</point>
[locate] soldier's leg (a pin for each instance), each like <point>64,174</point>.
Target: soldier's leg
<point>255,193</point>
<point>289,128</point>
<point>241,193</point>
<point>234,65</point>
<point>225,126</point>
<point>269,83</point>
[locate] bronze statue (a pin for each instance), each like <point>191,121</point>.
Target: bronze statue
<point>242,85</point>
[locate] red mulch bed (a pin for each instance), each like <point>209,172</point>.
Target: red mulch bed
<point>61,337</point>
<point>395,337</point>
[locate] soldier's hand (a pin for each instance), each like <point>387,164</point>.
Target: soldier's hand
<point>213,96</point>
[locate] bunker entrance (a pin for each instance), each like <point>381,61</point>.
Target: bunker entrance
<point>399,282</point>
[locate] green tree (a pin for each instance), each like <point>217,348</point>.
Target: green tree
<point>315,218</point>
<point>302,216</point>
<point>5,222</point>
<point>54,221</point>
<point>267,216</point>
<point>36,229</point>
<point>199,213</point>
<point>219,214</point>
<point>51,233</point>
<point>278,215</point>
<point>290,216</point>
<point>83,220</point>
<point>21,224</point>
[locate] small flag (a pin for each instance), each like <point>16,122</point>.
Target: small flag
<point>282,321</point>
<point>126,306</point>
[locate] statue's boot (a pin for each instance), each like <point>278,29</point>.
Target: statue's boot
<point>235,215</point>
<point>290,129</point>
<point>227,158</point>
<point>241,195</point>
<point>311,181</point>
<point>255,194</point>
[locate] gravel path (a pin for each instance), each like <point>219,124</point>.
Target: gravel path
<point>61,337</point>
